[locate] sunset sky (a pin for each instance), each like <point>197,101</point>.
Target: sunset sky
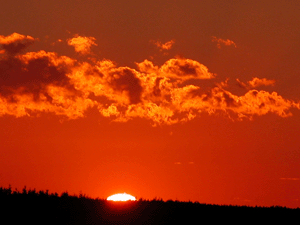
<point>182,100</point>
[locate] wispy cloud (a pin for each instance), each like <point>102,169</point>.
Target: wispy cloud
<point>164,46</point>
<point>222,42</point>
<point>256,82</point>
<point>290,178</point>
<point>36,82</point>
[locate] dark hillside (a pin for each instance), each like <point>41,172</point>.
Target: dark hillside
<point>43,208</point>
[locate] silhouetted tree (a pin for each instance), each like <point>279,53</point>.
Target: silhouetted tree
<point>40,207</point>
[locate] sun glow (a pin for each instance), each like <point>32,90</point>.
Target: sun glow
<point>121,197</point>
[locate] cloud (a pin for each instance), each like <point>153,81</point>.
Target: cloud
<point>32,72</point>
<point>185,69</point>
<point>164,46</point>
<point>221,42</point>
<point>262,102</point>
<point>180,163</point>
<point>15,42</point>
<point>255,82</point>
<point>39,82</point>
<point>290,178</point>
<point>63,103</point>
<point>124,79</point>
<point>82,44</point>
<point>241,84</point>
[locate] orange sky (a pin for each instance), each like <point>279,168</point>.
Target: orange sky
<point>167,99</point>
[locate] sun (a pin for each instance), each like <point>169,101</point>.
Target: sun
<point>121,197</point>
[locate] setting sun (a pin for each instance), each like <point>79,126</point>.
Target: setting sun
<point>200,102</point>
<point>121,197</point>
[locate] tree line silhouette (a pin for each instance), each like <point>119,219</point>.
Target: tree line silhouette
<point>42,207</point>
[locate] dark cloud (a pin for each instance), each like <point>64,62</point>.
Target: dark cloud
<point>229,100</point>
<point>125,80</point>
<point>241,84</point>
<point>14,48</point>
<point>31,75</point>
<point>15,43</point>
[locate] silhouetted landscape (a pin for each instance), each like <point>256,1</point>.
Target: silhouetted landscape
<point>42,207</point>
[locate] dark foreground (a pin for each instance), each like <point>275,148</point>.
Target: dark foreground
<point>31,207</point>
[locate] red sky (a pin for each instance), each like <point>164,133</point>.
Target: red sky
<point>169,99</point>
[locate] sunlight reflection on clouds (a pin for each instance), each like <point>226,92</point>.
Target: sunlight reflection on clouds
<point>43,81</point>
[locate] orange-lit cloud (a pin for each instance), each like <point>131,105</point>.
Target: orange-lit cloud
<point>164,46</point>
<point>82,44</point>
<point>185,69</point>
<point>45,82</point>
<point>256,82</point>
<point>221,42</point>
<point>56,42</point>
<point>15,42</point>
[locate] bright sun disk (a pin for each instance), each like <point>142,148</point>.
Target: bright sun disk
<point>121,197</point>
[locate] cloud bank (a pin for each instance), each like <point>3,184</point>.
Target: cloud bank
<point>33,83</point>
